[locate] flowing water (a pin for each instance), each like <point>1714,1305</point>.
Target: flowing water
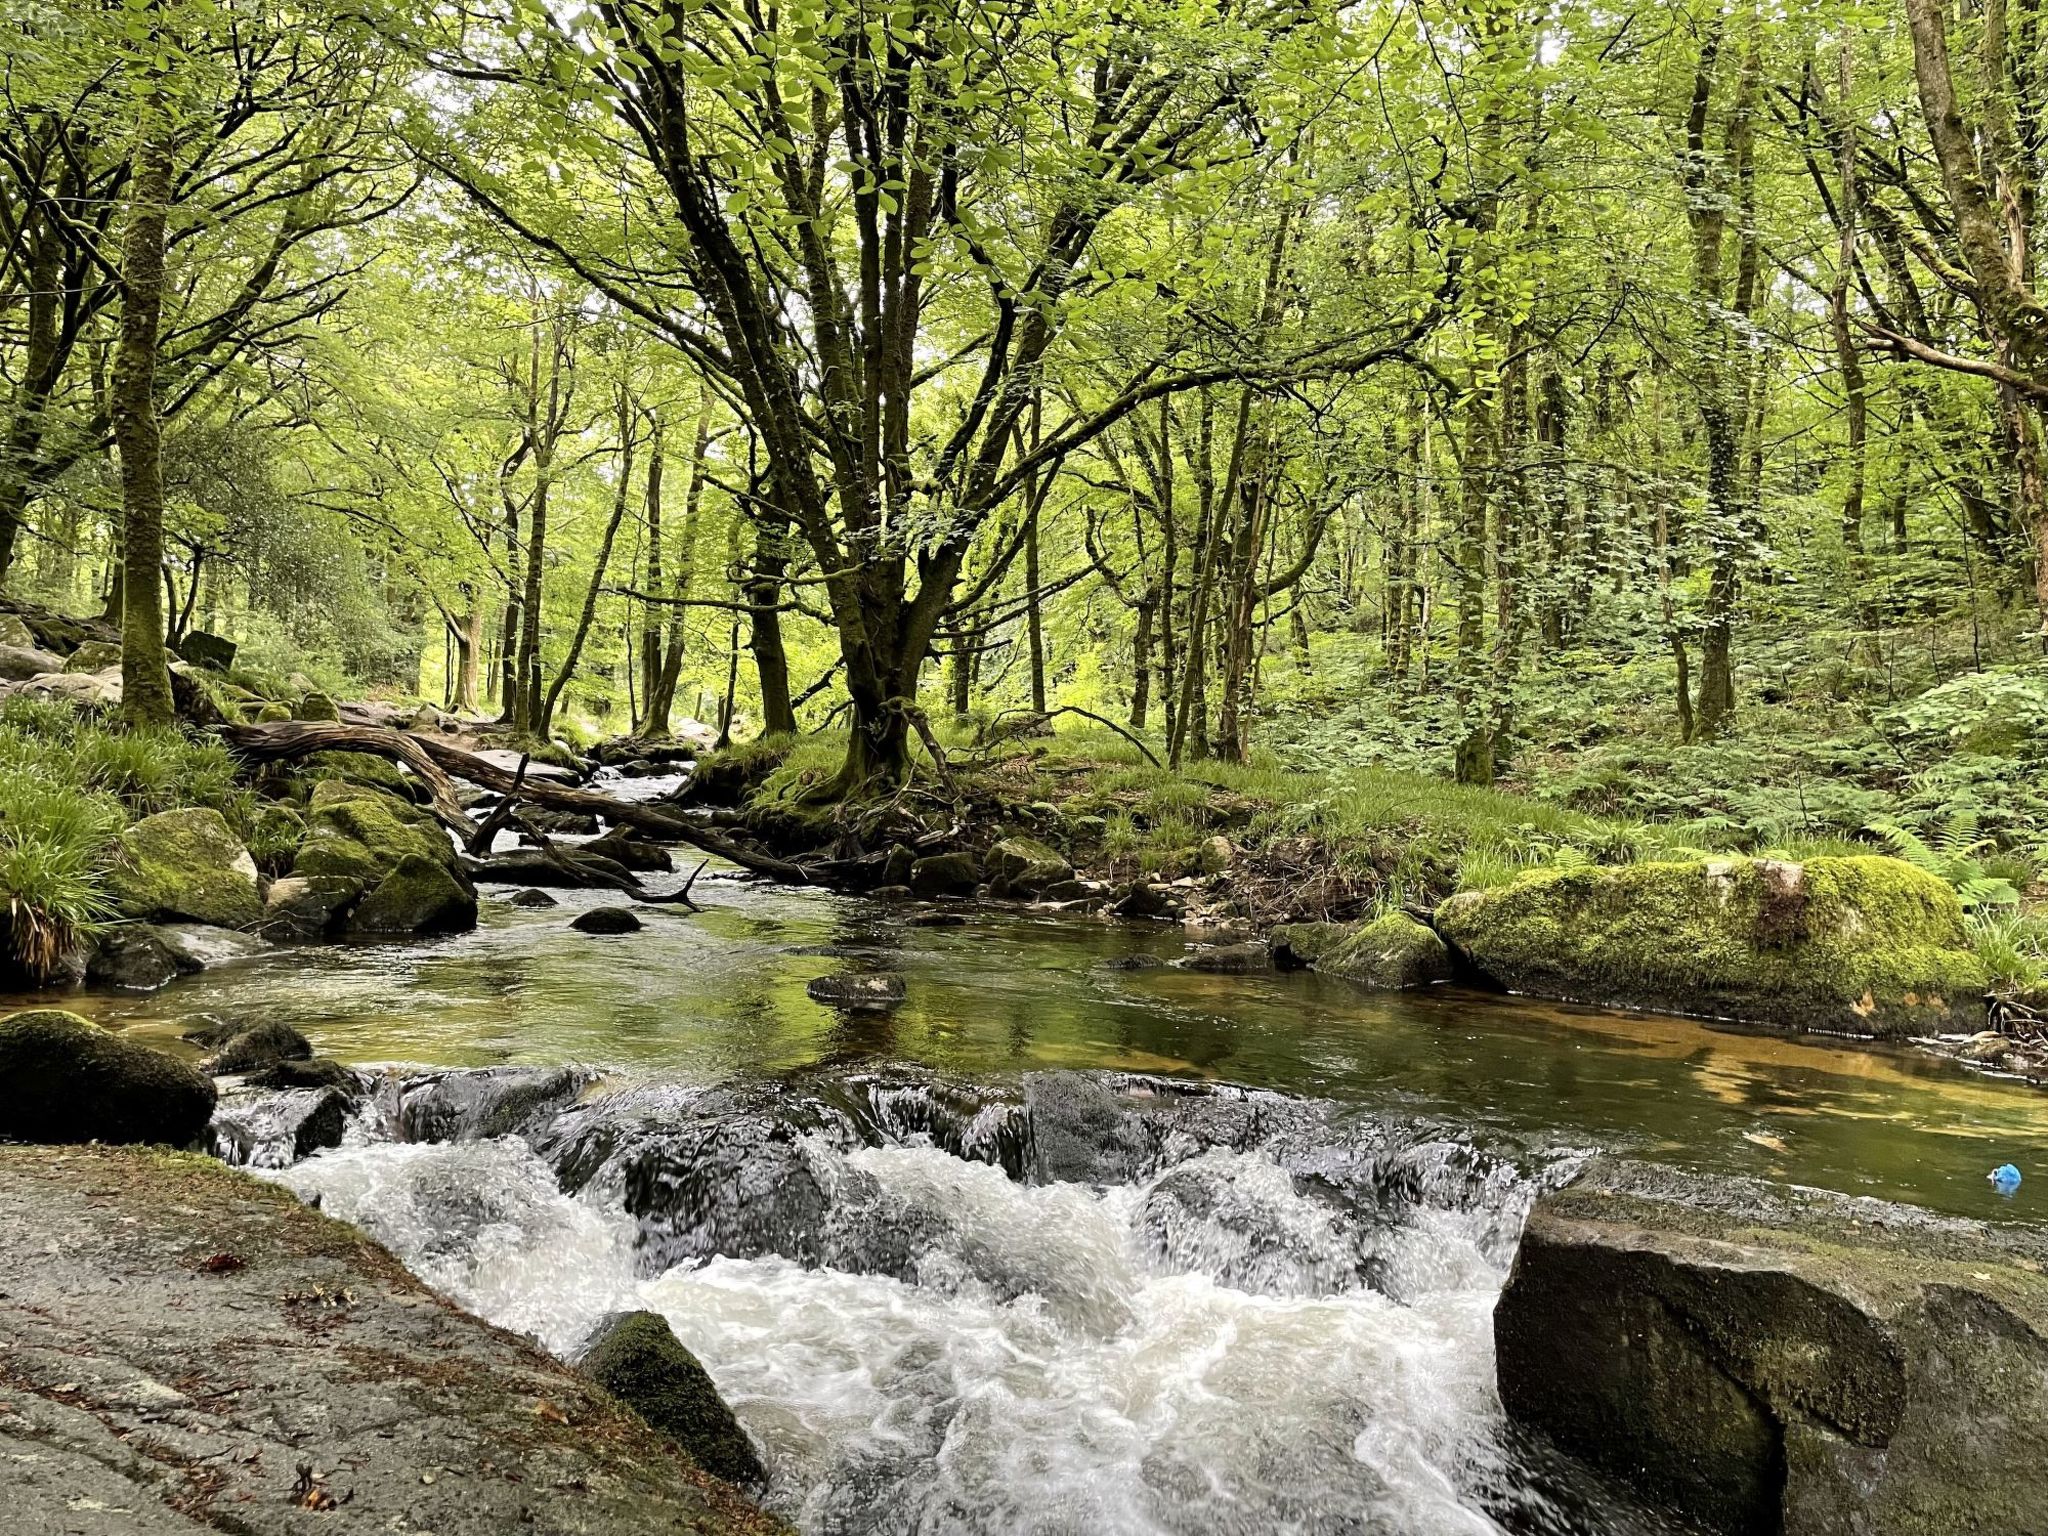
<point>1070,1242</point>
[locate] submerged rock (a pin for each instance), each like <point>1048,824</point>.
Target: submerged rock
<point>637,1358</point>
<point>186,864</point>
<point>63,1079</point>
<point>878,992</point>
<point>259,1046</point>
<point>1767,1359</point>
<point>1867,945</point>
<point>606,920</point>
<point>533,897</point>
<point>630,852</point>
<point>1229,959</point>
<point>1392,953</point>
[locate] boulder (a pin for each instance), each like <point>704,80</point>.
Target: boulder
<point>320,1072</point>
<point>259,1046</point>
<point>272,711</point>
<point>186,864</point>
<point>199,947</point>
<point>629,852</point>
<point>363,833</point>
<point>1765,1359</point>
<point>876,992</point>
<point>1866,945</point>
<point>63,1079</point>
<point>637,1358</point>
<point>606,920</point>
<point>132,957</point>
<point>1229,959</point>
<point>562,823</point>
<point>308,905</point>
<point>1392,953</point>
<point>214,652</point>
<point>19,662</point>
<point>533,897</point>
<point>1142,898</point>
<point>277,1129</point>
<point>419,895</point>
<point>94,656</point>
<point>316,706</point>
<point>14,632</point>
<point>1214,856</point>
<point>366,769</point>
<point>946,874</point>
<point>1026,866</point>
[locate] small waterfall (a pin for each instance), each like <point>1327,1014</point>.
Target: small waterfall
<point>1092,1302</point>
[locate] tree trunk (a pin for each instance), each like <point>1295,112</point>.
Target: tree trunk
<point>145,669</point>
<point>620,499</point>
<point>771,661</point>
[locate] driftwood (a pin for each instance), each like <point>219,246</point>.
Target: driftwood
<point>435,760</point>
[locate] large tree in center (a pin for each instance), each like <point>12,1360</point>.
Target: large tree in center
<point>874,227</point>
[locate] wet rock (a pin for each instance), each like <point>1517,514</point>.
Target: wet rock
<point>561,823</point>
<point>200,947</point>
<point>939,920</point>
<point>1866,945</point>
<point>63,1079</point>
<point>420,895</point>
<point>277,1129</point>
<point>878,992</point>
<point>946,874</point>
<point>214,652</point>
<point>186,864</point>
<point>259,1046</point>
<point>94,656</point>
<point>21,662</point>
<point>1230,959</point>
<point>1024,866</point>
<point>1133,963</point>
<point>637,1358</point>
<point>307,905</point>
<point>474,1105</point>
<point>1142,898</point>
<point>1392,953</point>
<point>133,958</point>
<point>892,893</point>
<point>606,920</point>
<point>1764,1358</point>
<point>363,834</point>
<point>532,897</point>
<point>319,1072</point>
<point>630,852</point>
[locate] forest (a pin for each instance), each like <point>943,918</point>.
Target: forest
<point>1638,410</point>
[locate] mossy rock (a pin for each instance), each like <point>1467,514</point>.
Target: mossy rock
<point>1026,865</point>
<point>316,706</point>
<point>363,833</point>
<point>638,1359</point>
<point>65,1080</point>
<point>259,1046</point>
<point>420,895</point>
<point>1865,945</point>
<point>364,768</point>
<point>271,711</point>
<point>946,874</point>
<point>94,656</point>
<point>308,905</point>
<point>186,864</point>
<point>1391,953</point>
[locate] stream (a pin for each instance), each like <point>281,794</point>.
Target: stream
<point>1072,1241</point>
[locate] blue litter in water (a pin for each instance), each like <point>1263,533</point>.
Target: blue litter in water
<point>2005,1178</point>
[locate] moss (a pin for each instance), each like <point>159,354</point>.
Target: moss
<point>640,1362</point>
<point>361,768</point>
<point>63,1079</point>
<point>364,833</point>
<point>1393,952</point>
<point>1867,944</point>
<point>1026,864</point>
<point>420,895</point>
<point>186,864</point>
<point>261,1045</point>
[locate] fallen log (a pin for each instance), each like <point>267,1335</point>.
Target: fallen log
<point>282,740</point>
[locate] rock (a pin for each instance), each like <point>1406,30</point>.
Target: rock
<point>316,706</point>
<point>562,823</point>
<point>363,768</point>
<point>878,992</point>
<point>532,897</point>
<point>271,711</point>
<point>364,834</point>
<point>638,1359</point>
<point>277,1129</point>
<point>199,947</point>
<point>1025,866</point>
<point>1767,1359</point>
<point>94,656</point>
<point>1141,898</point>
<point>946,874</point>
<point>630,852</point>
<point>20,662</point>
<point>606,920</point>
<point>87,690</point>
<point>63,1079</point>
<point>420,895</point>
<point>133,958</point>
<point>1393,952</point>
<point>214,652</point>
<point>1868,945</point>
<point>1214,856</point>
<point>186,864</point>
<point>308,905</point>
<point>15,633</point>
<point>1230,959</point>
<point>259,1046</point>
<point>320,1072</point>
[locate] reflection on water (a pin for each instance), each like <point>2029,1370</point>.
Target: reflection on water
<point>711,995</point>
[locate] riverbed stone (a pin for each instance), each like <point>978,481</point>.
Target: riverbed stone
<point>533,896</point>
<point>946,874</point>
<point>308,905</point>
<point>1866,945</point>
<point>316,1072</point>
<point>258,1046</point>
<point>1772,1359</point>
<point>1024,866</point>
<point>65,1079</point>
<point>133,958</point>
<point>274,1129</point>
<point>201,946</point>
<point>863,992</point>
<point>630,852</point>
<point>1229,959</point>
<point>419,895</point>
<point>1392,953</point>
<point>606,920</point>
<point>364,834</point>
<point>637,1358</point>
<point>186,864</point>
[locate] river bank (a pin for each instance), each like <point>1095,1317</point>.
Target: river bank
<point>182,1346</point>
